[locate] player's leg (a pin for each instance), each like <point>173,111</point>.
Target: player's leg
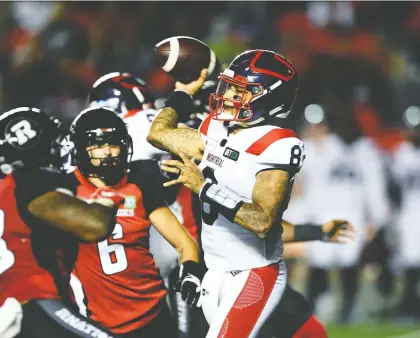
<point>318,283</point>
<point>349,258</point>
<point>410,300</point>
<point>320,258</point>
<point>51,318</point>
<point>349,285</point>
<point>247,300</point>
<point>409,258</point>
<point>293,318</point>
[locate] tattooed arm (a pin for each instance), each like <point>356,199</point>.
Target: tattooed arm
<point>269,192</point>
<point>165,135</point>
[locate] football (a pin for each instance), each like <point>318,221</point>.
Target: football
<point>184,57</point>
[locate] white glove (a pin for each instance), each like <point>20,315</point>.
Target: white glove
<point>10,318</point>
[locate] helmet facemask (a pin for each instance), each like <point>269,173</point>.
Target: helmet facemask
<point>232,100</point>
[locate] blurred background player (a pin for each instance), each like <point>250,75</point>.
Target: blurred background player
<point>406,173</point>
<point>119,272</point>
<point>134,103</point>
<point>36,259</point>
<point>344,177</point>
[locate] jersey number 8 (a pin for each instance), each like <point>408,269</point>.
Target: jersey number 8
<point>112,256</point>
<point>296,156</point>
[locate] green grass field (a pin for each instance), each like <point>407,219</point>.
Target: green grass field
<point>373,331</point>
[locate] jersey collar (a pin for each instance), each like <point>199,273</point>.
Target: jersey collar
<point>85,182</point>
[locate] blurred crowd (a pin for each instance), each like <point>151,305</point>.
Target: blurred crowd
<point>359,68</point>
<point>357,57</point>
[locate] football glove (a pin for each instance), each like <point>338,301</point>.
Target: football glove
<point>189,283</point>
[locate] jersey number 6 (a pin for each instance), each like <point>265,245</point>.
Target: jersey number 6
<point>112,256</point>
<point>209,212</point>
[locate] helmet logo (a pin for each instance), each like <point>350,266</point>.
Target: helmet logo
<point>20,133</point>
<point>246,113</point>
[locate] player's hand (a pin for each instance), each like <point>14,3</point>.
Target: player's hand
<point>338,231</point>
<point>189,283</point>
<point>108,197</point>
<point>194,86</point>
<point>189,174</point>
<point>11,314</point>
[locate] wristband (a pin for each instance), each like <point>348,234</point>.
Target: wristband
<point>228,202</point>
<point>182,103</point>
<point>308,232</point>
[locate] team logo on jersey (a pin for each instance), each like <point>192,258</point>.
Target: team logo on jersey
<point>215,159</point>
<point>130,202</point>
<point>231,154</point>
<point>125,213</point>
<point>235,272</point>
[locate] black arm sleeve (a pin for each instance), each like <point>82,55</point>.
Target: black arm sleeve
<point>147,176</point>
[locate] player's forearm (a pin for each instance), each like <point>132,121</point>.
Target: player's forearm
<point>288,234</point>
<point>188,251</point>
<point>165,135</point>
<point>293,233</point>
<point>162,125</point>
<point>89,222</point>
<point>252,217</point>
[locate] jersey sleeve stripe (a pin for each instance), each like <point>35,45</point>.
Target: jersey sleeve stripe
<point>204,127</point>
<point>130,113</point>
<point>258,147</point>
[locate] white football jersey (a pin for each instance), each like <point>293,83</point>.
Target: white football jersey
<point>234,161</point>
<point>406,171</point>
<point>138,126</point>
<point>344,181</point>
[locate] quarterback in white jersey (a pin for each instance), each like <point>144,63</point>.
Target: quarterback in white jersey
<point>244,182</point>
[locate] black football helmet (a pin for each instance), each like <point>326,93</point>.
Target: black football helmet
<point>271,81</point>
<point>122,92</point>
<point>28,137</point>
<point>97,126</point>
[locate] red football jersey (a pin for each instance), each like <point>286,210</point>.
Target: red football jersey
<point>35,260</point>
<point>121,284</point>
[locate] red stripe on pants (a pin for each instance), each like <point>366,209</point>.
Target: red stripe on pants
<point>249,304</point>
